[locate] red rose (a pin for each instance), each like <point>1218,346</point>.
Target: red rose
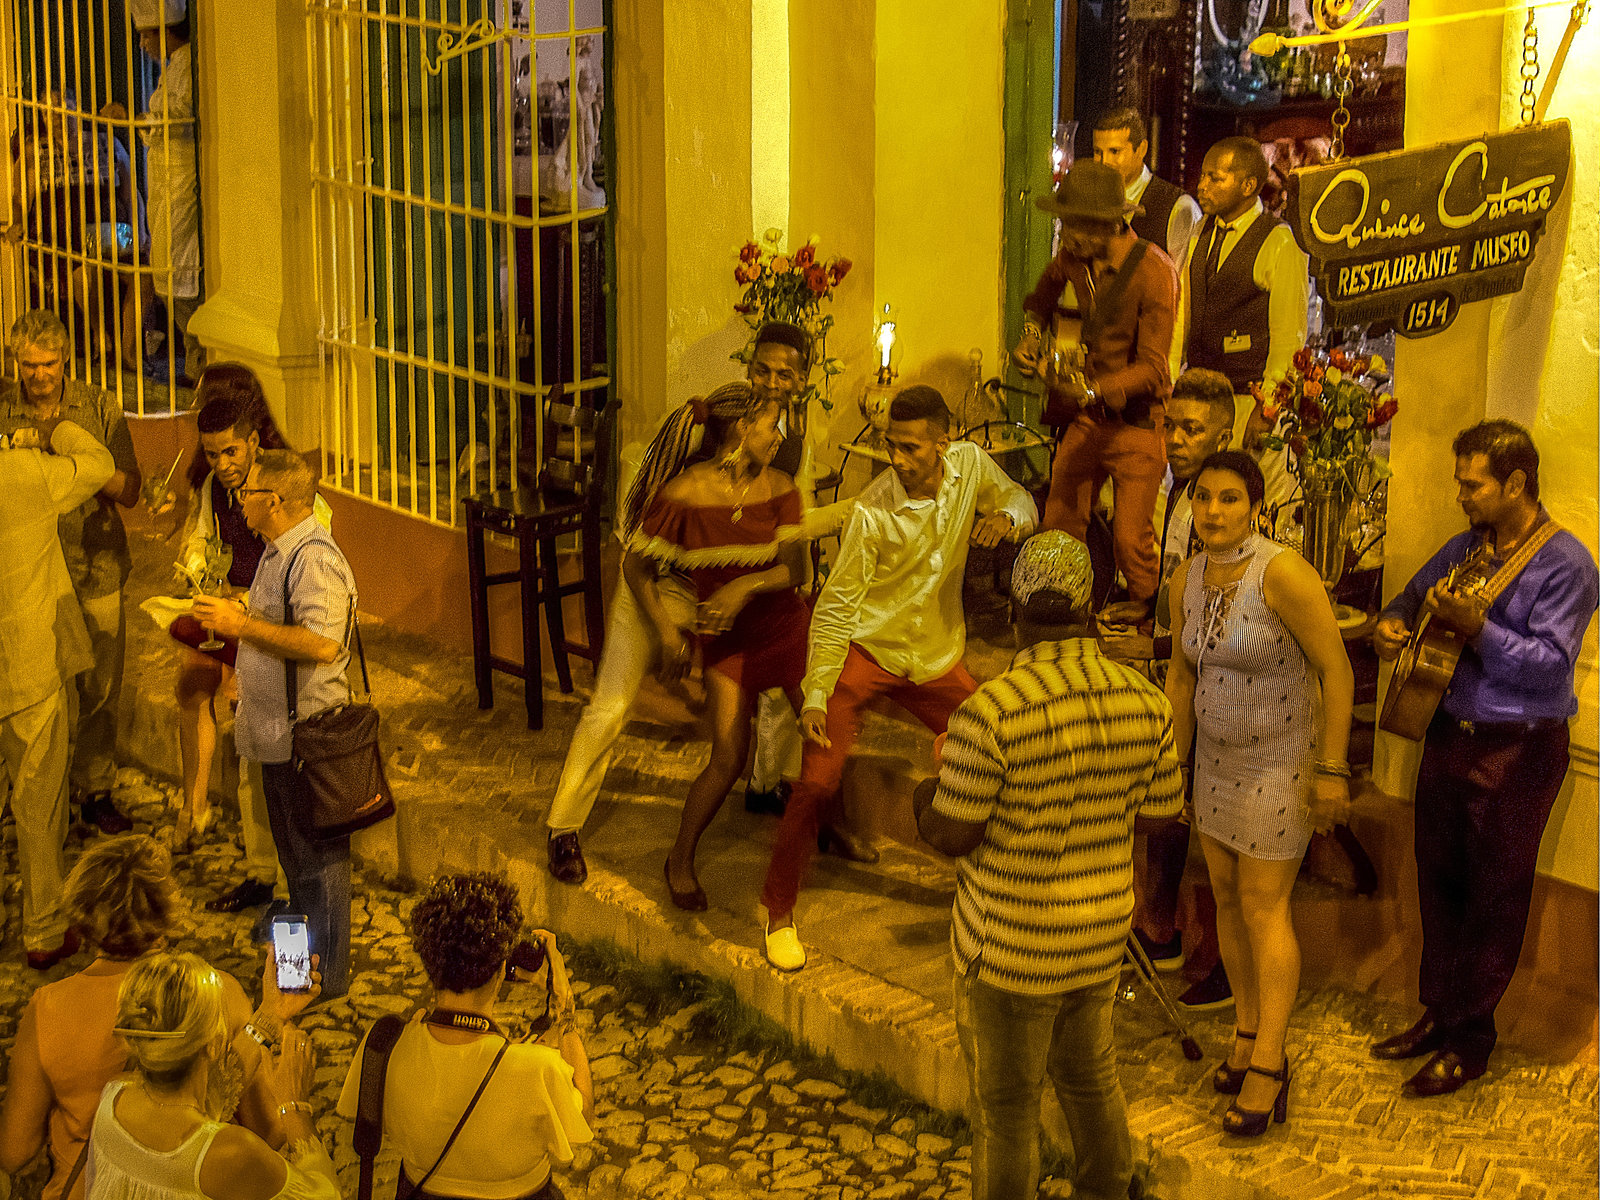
<point>1283,391</point>
<point>805,256</point>
<point>750,253</point>
<point>1297,443</point>
<point>839,269</point>
<point>1385,412</point>
<point>1310,414</point>
<point>1361,365</point>
<point>816,279</point>
<point>1303,358</point>
<point>740,276</point>
<point>1338,359</point>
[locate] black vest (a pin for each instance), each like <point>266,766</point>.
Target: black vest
<point>231,527</point>
<point>1230,307</point>
<point>1159,199</point>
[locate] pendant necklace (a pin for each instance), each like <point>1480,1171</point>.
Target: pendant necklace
<point>738,508</point>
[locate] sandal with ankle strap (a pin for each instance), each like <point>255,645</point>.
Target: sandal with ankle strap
<point>1228,1080</point>
<point>1247,1122</point>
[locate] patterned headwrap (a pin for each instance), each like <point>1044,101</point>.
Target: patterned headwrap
<point>1053,561</point>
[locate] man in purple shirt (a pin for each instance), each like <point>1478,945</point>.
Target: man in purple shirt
<point>1496,753</point>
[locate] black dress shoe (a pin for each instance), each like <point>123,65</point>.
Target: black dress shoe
<point>261,931</point>
<point>566,859</point>
<point>1446,1072</point>
<point>1212,992</point>
<point>1422,1038</point>
<point>768,803</point>
<point>247,895</point>
<point>98,810</point>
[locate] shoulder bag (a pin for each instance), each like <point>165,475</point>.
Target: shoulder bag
<point>336,751</point>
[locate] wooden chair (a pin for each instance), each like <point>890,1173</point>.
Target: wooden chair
<point>566,499</point>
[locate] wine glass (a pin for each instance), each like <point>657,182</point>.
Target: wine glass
<point>154,492</point>
<point>212,580</point>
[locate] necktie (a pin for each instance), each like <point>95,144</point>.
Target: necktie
<point>1219,232</point>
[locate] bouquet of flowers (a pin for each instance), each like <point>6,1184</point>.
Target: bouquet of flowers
<point>784,286</point>
<point>1326,409</point>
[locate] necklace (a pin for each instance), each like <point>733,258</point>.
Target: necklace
<point>738,506</point>
<point>1236,555</point>
<point>150,1096</point>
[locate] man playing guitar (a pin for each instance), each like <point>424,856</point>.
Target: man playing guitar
<point>1126,291</point>
<point>1495,753</point>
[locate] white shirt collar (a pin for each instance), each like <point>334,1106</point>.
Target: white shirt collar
<point>897,490</point>
<point>1136,189</point>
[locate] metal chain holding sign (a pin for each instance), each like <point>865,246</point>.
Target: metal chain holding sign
<point>1530,69</point>
<point>1341,88</point>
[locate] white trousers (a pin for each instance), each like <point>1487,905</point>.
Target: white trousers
<point>34,746</point>
<point>631,650</point>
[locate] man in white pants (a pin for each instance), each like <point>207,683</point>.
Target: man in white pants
<point>46,647</point>
<point>778,370</point>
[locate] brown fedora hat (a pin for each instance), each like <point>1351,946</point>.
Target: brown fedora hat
<point>1093,191</point>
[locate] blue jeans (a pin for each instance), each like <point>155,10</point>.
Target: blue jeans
<point>1011,1041</point>
<point>318,872</point>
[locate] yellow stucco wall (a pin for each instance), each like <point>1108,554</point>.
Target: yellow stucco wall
<point>1530,357</point>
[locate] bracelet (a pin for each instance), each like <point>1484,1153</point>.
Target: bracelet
<point>1333,767</point>
<point>294,1106</point>
<point>265,1040</point>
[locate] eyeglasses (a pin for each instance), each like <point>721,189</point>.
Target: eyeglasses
<point>244,491</point>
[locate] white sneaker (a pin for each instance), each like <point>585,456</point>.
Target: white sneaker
<point>784,950</point>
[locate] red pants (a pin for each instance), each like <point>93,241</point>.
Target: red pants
<point>822,770</point>
<point>1136,460</point>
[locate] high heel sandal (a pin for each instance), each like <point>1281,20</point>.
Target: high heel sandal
<point>1247,1122</point>
<point>1228,1080</point>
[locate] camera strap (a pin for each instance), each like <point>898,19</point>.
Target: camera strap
<point>450,1018</point>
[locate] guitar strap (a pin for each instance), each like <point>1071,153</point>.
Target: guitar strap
<point>1504,577</point>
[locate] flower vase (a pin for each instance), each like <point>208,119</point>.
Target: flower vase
<point>1327,498</point>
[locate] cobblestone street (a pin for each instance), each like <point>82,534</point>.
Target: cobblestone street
<point>678,1115</point>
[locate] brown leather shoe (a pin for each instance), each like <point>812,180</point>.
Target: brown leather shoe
<point>852,847</point>
<point>566,859</point>
<point>1446,1072</point>
<point>1422,1038</point>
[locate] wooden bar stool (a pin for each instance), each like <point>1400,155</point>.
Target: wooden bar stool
<point>566,500</point>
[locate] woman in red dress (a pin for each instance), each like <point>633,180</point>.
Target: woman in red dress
<point>715,521</point>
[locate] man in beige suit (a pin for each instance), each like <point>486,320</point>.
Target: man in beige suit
<point>46,469</point>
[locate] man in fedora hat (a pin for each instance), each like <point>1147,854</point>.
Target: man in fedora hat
<point>1126,292</point>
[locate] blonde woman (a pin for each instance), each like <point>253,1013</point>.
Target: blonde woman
<point>119,897</point>
<point>159,1129</point>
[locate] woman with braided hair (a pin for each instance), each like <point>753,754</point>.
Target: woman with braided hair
<point>715,518</point>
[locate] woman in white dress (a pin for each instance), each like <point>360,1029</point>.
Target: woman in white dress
<point>158,1134</point>
<point>1254,642</point>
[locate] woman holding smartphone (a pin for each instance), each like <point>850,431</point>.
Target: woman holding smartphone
<point>159,1130</point>
<point>526,1102</point>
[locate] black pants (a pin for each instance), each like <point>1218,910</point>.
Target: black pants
<point>1483,797</point>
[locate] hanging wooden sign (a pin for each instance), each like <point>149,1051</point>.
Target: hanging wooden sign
<point>1412,235</point>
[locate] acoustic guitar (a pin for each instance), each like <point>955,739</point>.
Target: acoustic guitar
<point>1428,662</point>
<point>1063,362</point>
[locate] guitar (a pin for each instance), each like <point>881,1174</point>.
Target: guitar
<point>1063,363</point>
<point>1428,661</point>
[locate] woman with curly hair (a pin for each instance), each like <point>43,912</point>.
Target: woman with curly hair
<point>715,517</point>
<point>119,898</point>
<point>159,1131</point>
<point>526,1102</point>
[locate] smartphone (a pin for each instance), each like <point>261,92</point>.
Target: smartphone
<point>291,946</point>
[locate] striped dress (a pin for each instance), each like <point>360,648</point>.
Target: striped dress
<point>1055,757</point>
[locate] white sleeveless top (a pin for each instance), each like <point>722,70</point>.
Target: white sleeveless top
<point>121,1167</point>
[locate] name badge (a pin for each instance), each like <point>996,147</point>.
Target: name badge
<point>1237,343</point>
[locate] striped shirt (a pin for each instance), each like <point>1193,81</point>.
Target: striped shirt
<point>1055,758</point>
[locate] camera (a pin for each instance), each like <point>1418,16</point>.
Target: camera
<point>526,959</point>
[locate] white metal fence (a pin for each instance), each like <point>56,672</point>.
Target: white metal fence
<point>100,195</point>
<point>459,223</point>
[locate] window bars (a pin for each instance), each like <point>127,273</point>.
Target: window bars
<point>100,208</point>
<point>459,223</point>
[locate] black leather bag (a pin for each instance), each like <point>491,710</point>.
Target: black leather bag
<point>337,752</point>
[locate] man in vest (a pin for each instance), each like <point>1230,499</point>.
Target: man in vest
<point>1243,291</point>
<point>1170,214</point>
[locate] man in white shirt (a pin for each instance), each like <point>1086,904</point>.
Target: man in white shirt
<point>46,647</point>
<point>889,622</point>
<point>1243,290</point>
<point>1170,214</point>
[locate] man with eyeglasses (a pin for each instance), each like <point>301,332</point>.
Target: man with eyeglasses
<point>303,560</point>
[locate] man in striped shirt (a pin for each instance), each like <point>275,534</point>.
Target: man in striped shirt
<point>1045,772</point>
